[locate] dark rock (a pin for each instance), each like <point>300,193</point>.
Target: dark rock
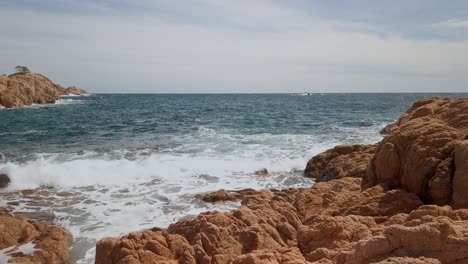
<point>4,180</point>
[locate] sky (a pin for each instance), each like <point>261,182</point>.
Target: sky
<point>240,46</point>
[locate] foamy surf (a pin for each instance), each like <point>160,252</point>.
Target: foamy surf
<point>95,195</point>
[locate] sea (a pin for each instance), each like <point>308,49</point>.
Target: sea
<point>109,164</point>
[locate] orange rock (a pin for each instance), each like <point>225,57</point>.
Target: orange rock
<point>418,153</point>
<point>43,243</point>
<point>75,90</point>
<point>343,219</point>
<point>30,88</point>
<point>270,226</point>
<point>340,162</point>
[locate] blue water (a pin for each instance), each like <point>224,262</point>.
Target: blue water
<point>106,122</point>
<point>115,163</point>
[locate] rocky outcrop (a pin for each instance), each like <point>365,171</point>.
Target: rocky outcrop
<point>28,241</point>
<point>29,88</point>
<point>75,91</point>
<point>380,218</point>
<point>424,149</point>
<point>290,226</point>
<point>340,162</point>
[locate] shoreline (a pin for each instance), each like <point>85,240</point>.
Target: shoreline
<point>278,224</point>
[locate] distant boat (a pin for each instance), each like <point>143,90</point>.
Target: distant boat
<point>306,94</point>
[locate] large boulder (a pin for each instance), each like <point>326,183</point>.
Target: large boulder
<point>28,241</point>
<point>419,153</point>
<point>339,162</point>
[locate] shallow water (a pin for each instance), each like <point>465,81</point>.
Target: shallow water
<point>112,164</point>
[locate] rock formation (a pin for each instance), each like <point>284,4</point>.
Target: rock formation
<point>426,153</point>
<point>340,162</point>
<point>75,91</point>
<point>30,88</point>
<point>28,241</point>
<point>380,218</point>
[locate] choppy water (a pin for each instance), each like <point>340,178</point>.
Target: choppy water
<point>118,163</point>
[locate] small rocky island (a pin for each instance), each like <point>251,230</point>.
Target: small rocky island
<point>25,88</point>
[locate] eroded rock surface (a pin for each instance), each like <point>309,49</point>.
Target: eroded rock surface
<point>342,218</point>
<point>30,88</point>
<point>75,91</point>
<point>419,153</point>
<point>339,162</point>
<point>270,225</point>
<point>28,241</point>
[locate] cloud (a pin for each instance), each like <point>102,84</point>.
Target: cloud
<point>232,46</point>
<point>452,23</point>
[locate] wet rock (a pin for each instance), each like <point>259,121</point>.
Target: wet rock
<point>218,196</point>
<point>262,172</point>
<point>339,162</point>
<point>4,180</point>
<point>344,218</point>
<point>387,129</point>
<point>272,224</point>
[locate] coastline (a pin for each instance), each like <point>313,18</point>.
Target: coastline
<point>378,217</point>
<point>351,210</point>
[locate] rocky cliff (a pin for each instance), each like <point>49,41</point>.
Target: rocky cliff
<point>31,88</point>
<point>403,200</point>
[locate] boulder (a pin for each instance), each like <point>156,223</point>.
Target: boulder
<point>4,180</point>
<point>339,162</point>
<point>262,172</point>
<point>387,129</point>
<point>418,154</point>
<point>28,241</point>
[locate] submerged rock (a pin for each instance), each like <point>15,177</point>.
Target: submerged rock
<point>4,180</point>
<point>262,172</point>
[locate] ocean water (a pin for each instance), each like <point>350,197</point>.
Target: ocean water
<point>110,164</point>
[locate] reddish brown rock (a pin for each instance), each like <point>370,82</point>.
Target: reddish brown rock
<point>28,241</point>
<point>218,196</point>
<point>337,221</point>
<point>418,154</point>
<point>75,91</point>
<point>28,88</point>
<point>340,162</point>
<point>271,225</point>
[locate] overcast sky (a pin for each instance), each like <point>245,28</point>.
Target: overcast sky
<point>175,46</point>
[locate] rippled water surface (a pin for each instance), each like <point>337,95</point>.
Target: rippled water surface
<point>110,164</point>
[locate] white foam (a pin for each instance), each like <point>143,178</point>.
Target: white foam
<point>68,101</point>
<point>96,195</point>
<point>25,249</point>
